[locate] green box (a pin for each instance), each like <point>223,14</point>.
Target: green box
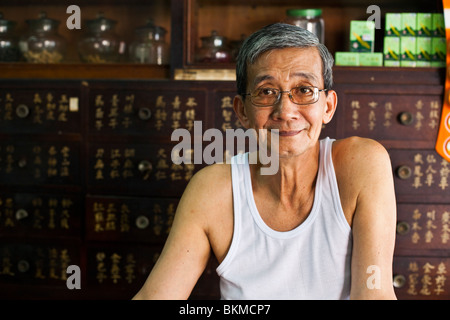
<point>409,24</point>
<point>393,25</point>
<point>408,57</point>
<point>438,25</point>
<point>362,36</point>
<point>373,59</point>
<point>391,51</point>
<point>438,52</point>
<point>347,58</point>
<point>424,24</point>
<point>423,50</point>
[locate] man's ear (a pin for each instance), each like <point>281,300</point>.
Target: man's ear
<point>239,109</point>
<point>331,104</point>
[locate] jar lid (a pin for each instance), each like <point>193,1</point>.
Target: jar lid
<point>214,40</point>
<point>100,23</point>
<point>5,24</point>
<point>304,12</point>
<point>151,31</point>
<point>43,23</point>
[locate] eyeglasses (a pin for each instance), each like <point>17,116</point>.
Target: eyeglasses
<point>267,97</point>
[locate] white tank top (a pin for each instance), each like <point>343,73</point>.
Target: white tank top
<point>311,261</point>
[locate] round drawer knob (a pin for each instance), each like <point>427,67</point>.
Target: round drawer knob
<point>144,166</point>
<point>23,266</point>
<point>142,222</point>
<point>404,172</point>
<point>22,111</point>
<point>406,118</point>
<point>22,163</point>
<point>399,281</point>
<point>144,113</point>
<point>21,214</point>
<point>402,228</point>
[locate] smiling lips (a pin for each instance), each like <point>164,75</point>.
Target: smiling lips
<point>289,133</point>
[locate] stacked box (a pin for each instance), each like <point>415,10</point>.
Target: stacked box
<point>423,50</point>
<point>347,59</point>
<point>409,24</point>
<point>408,54</point>
<point>362,36</point>
<point>438,25</point>
<point>391,52</point>
<point>424,24</point>
<point>438,52</point>
<point>393,25</point>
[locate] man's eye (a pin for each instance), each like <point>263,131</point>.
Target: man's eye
<point>304,90</point>
<point>267,92</point>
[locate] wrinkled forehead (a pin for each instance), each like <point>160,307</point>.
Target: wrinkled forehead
<point>286,65</point>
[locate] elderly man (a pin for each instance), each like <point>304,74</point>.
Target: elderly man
<point>322,227</point>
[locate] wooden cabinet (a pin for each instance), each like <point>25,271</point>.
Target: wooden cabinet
<point>86,176</point>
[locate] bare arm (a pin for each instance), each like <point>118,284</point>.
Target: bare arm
<point>187,249</point>
<point>374,221</point>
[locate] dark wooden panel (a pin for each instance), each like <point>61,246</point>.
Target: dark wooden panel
<point>32,161</point>
<point>420,175</point>
<point>144,220</point>
<point>422,227</point>
<point>37,110</point>
<point>40,215</point>
<point>422,278</point>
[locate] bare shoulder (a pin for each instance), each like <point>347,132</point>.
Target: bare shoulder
<point>361,166</point>
<point>208,192</point>
<point>356,153</point>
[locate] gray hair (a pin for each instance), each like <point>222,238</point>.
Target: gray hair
<point>279,36</point>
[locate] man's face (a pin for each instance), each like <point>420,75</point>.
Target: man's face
<point>299,125</point>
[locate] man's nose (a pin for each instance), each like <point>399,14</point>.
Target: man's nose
<point>285,109</point>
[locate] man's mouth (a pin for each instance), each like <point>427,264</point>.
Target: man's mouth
<point>288,133</point>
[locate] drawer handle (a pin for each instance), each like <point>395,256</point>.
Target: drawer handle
<point>399,281</point>
<point>21,214</point>
<point>404,172</point>
<point>402,228</point>
<point>145,166</point>
<point>22,111</point>
<point>142,222</point>
<point>406,118</point>
<point>144,113</point>
<point>23,266</point>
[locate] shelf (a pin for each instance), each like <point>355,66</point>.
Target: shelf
<point>83,71</point>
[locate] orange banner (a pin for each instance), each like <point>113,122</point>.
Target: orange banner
<point>443,139</point>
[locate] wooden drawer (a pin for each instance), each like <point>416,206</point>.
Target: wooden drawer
<point>49,110</point>
<point>144,220</point>
<point>420,176</point>
<point>397,116</point>
<point>26,162</point>
<point>421,278</point>
<point>40,215</point>
<point>422,227</point>
<point>118,271</point>
<point>37,264</point>
<point>137,169</point>
<point>147,110</point>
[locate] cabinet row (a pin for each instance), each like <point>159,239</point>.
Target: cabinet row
<point>112,268</point>
<point>148,220</point>
<point>150,168</point>
<point>157,109</point>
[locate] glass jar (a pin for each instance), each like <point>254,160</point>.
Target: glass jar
<point>149,45</point>
<point>100,44</point>
<point>214,49</point>
<point>309,19</point>
<point>43,44</point>
<point>9,43</point>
